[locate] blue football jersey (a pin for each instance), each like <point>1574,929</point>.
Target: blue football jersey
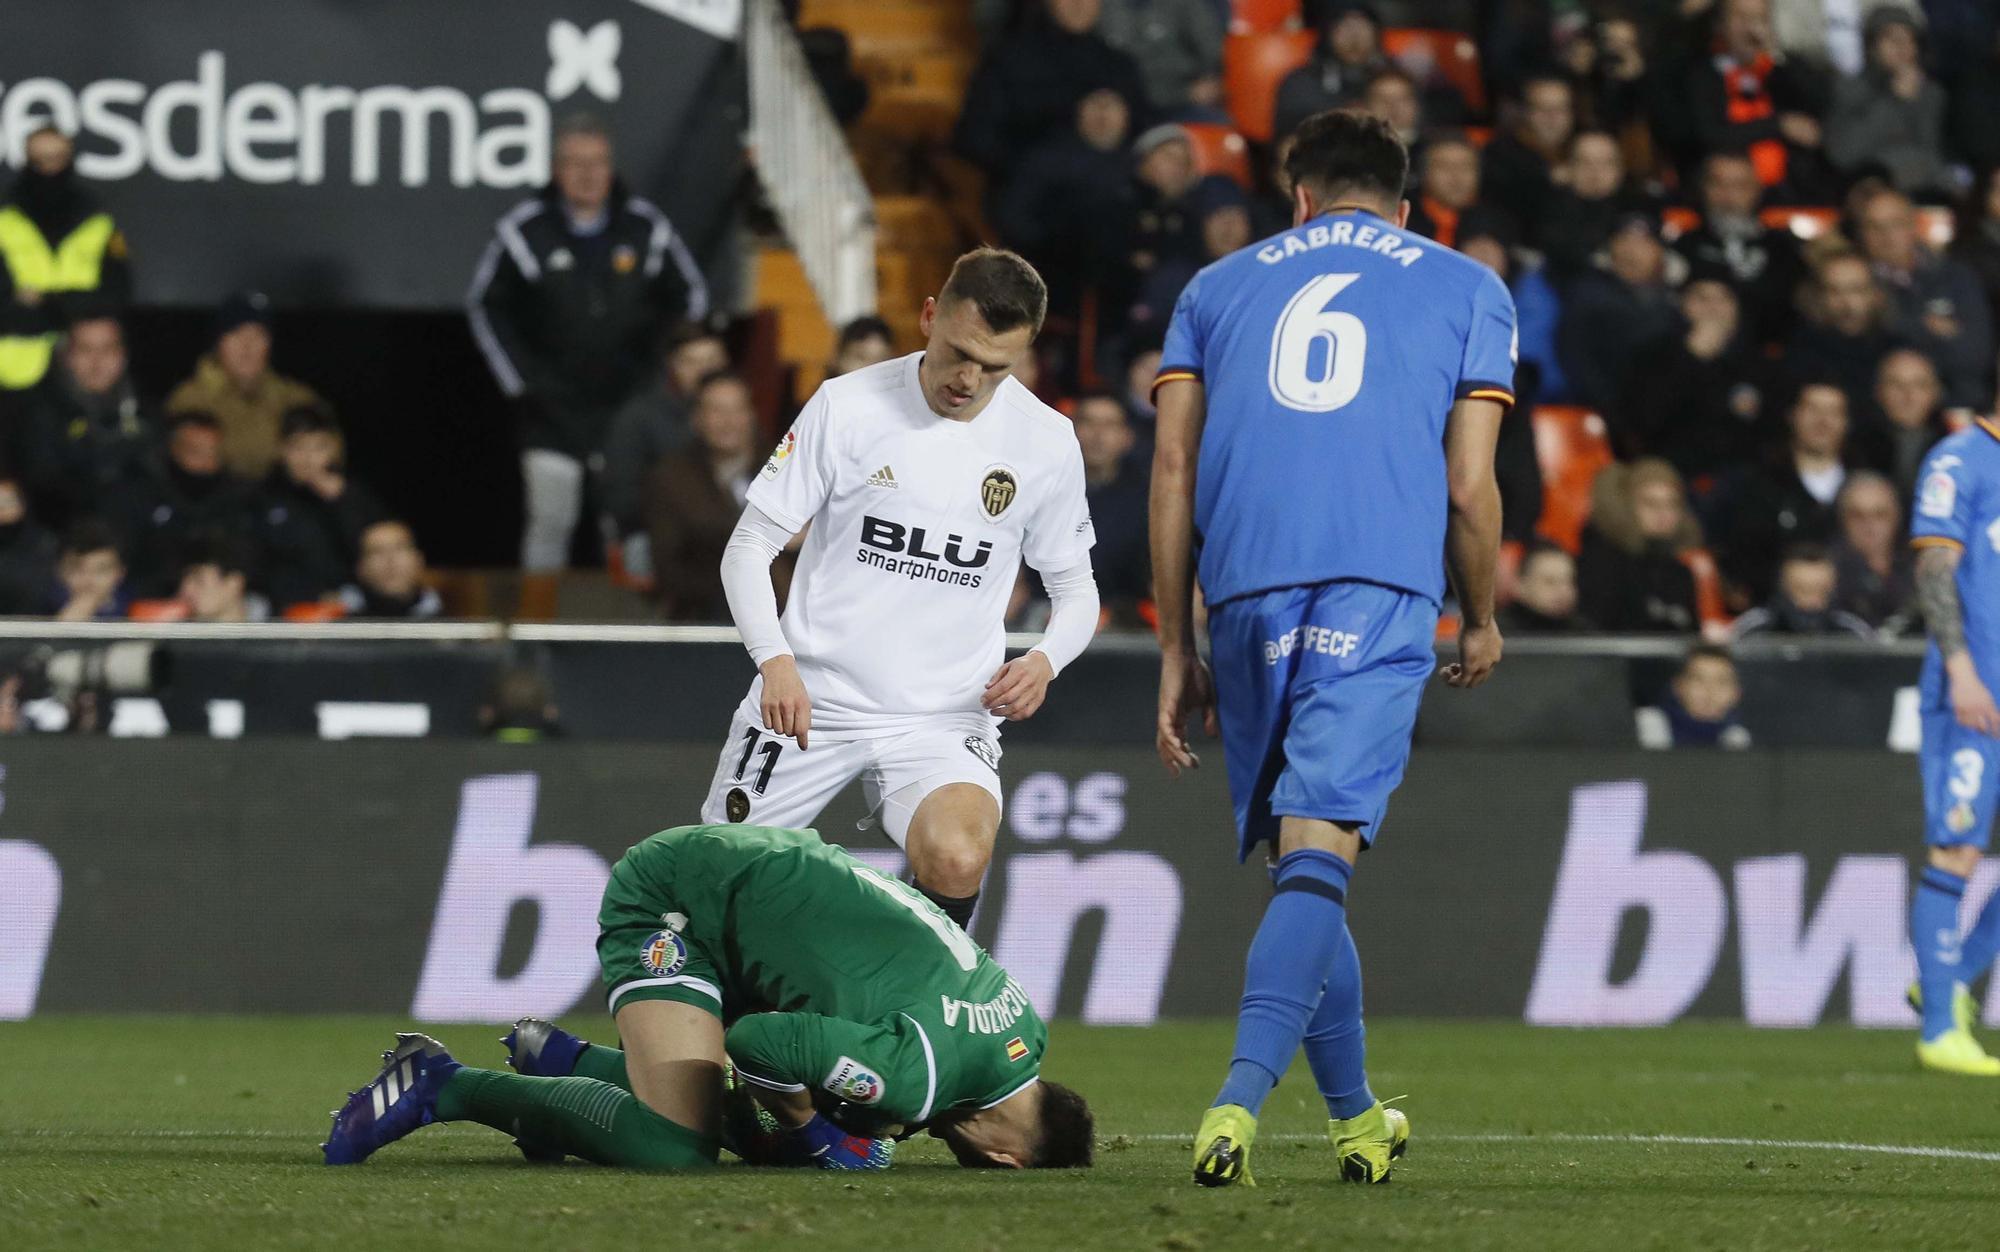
<point>1958,505</point>
<point>1331,354</point>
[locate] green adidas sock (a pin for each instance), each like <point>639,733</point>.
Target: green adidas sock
<point>604,1064</point>
<point>581,1116</point>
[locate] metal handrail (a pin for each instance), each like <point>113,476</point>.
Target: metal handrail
<point>807,172</point>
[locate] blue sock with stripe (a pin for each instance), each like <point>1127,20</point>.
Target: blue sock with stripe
<point>1934,935</point>
<point>1291,959</point>
<point>1336,1041</point>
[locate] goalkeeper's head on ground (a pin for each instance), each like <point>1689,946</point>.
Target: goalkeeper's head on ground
<point>1045,1125</point>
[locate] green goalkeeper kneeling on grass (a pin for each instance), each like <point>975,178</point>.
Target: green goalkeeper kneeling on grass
<point>858,1013</point>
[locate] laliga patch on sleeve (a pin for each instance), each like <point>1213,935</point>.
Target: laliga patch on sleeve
<point>1940,494</point>
<point>782,453</point>
<point>854,1082</point>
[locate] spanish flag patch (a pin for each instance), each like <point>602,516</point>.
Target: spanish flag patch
<point>1016,1050</point>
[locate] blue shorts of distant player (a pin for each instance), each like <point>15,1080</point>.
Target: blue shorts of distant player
<point>1961,775</point>
<point>1317,688</point>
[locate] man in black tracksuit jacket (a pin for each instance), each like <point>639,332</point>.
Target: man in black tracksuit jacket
<point>568,305</point>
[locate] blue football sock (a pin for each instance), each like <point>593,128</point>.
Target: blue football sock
<point>1336,1042</point>
<point>1304,928</point>
<point>1934,934</point>
<point>1982,942</point>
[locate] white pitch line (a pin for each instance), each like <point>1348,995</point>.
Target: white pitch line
<point>1686,1141</point>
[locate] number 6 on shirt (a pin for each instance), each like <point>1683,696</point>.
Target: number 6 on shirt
<point>1307,321</point>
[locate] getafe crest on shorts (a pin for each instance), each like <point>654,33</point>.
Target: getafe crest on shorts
<point>854,1082</point>
<point>996,492</point>
<point>663,954</point>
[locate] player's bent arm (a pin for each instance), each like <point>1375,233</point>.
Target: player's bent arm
<point>1182,406</point>
<point>1073,613</point>
<point>804,1053</point>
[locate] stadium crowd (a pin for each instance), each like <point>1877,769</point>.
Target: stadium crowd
<point>1756,241</point>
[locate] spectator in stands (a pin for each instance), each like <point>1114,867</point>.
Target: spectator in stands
<point>695,495</point>
<point>1630,575</point>
<point>215,583</point>
<point>1697,396</point>
<point>1620,93</point>
<point>1699,709</point>
<point>188,492</point>
<point>1876,577</point>
<point>1908,395</point>
<point>1115,485</point>
<point>1164,226</point>
<point>90,575</point>
<point>1487,236</point>
<point>1177,45</point>
<point>1067,207</point>
<point>1517,169</point>
<point>1348,54</point>
<point>310,513</point>
<point>61,255</point>
<point>27,554</point>
<point>1392,96</point>
<point>1579,216</point>
<point>522,708</point>
<point>1975,101</point>
<point>1935,302</point>
<point>1890,117</point>
<point>1803,601</point>
<point>1791,500</point>
<point>653,423</point>
<point>85,432</point>
<point>390,578</point>
<point>1141,369</point>
<point>568,304</point>
<point>1221,212</point>
<point>1447,186</point>
<point>1976,242</point>
<point>1609,312</point>
<point>863,342</point>
<point>1763,262</point>
<point>235,385</point>
<point>1828,34</point>
<point>1027,84</point>
<point>1545,595</point>
<point>1843,336</point>
<point>1745,99</point>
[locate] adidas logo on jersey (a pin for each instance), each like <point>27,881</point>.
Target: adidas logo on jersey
<point>884,477</point>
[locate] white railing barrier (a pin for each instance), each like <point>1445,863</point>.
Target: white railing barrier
<point>806,170</point>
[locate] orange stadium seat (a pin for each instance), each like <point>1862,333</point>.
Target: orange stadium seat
<point>1804,221</point>
<point>1478,136</point>
<point>1257,17</point>
<point>315,611</point>
<point>1679,220</point>
<point>1220,150</point>
<point>1252,68</point>
<point>1572,445</point>
<point>1454,54</point>
<point>158,611</point>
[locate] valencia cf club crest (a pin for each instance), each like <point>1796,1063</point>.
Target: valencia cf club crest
<point>985,749</point>
<point>663,954</point>
<point>997,491</point>
<point>736,805</point>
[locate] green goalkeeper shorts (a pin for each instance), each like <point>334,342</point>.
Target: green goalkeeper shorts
<point>644,944</point>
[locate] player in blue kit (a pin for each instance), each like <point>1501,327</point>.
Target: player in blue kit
<point>1956,531</point>
<point>1329,401</point>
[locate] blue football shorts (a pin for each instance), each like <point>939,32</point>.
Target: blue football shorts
<point>1961,774</point>
<point>1317,689</point>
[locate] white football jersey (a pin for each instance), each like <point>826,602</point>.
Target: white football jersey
<point>919,527</point>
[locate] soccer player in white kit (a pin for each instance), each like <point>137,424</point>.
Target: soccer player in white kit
<point>922,483</point>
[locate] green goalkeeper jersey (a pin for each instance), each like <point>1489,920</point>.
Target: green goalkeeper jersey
<point>840,980</point>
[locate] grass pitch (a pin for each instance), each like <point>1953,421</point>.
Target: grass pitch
<point>183,1132</point>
